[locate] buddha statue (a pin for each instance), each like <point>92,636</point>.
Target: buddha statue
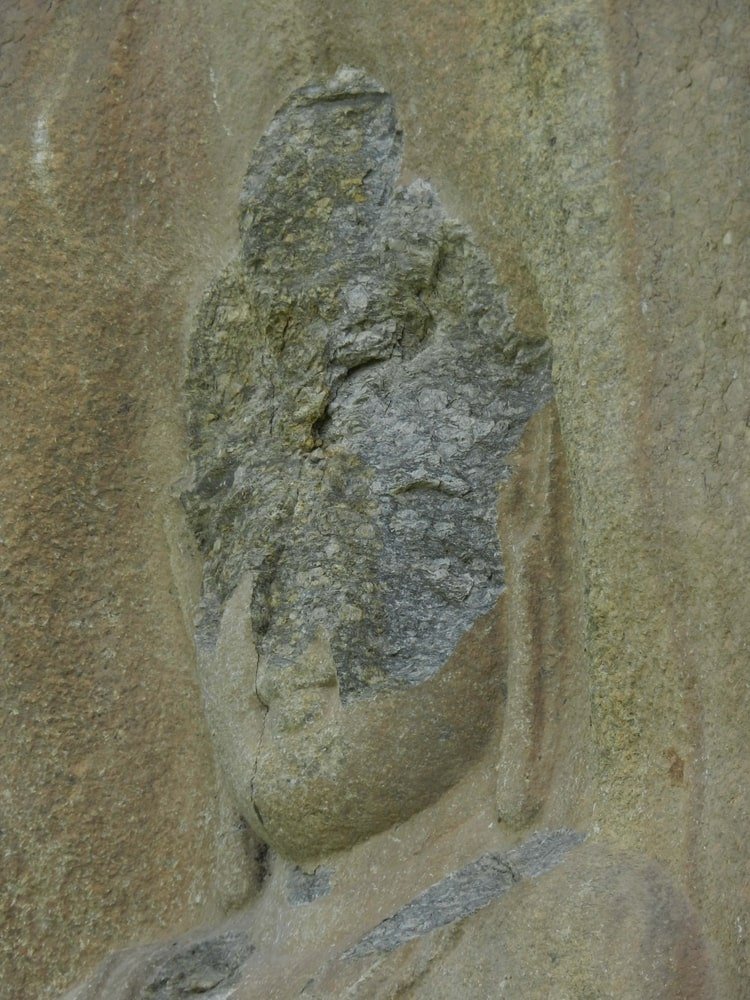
<point>359,403</point>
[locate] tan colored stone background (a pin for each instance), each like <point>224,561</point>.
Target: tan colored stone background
<point>599,151</point>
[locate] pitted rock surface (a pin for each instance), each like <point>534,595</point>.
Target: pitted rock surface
<point>355,386</point>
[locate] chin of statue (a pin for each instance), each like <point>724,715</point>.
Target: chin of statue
<point>328,775</point>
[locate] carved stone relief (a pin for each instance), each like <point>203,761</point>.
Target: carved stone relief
<point>358,399</point>
<point>355,388</point>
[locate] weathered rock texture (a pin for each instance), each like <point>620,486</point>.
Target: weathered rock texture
<point>355,388</point>
<point>465,891</point>
<point>208,966</point>
<point>641,944</point>
<point>598,153</point>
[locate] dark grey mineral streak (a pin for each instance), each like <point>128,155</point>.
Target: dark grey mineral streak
<point>206,968</point>
<point>304,887</point>
<point>355,386</point>
<point>467,890</point>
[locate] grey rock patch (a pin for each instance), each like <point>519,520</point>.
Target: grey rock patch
<point>355,386</point>
<point>304,888</point>
<point>205,968</point>
<point>467,890</point>
<point>542,852</point>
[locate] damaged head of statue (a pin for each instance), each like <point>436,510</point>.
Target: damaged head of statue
<point>355,388</point>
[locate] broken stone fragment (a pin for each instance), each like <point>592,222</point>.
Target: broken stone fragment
<point>355,389</point>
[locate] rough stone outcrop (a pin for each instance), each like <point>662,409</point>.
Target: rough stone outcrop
<point>355,388</point>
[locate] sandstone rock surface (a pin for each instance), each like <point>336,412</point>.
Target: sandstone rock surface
<point>598,155</point>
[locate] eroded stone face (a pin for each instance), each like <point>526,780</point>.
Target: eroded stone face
<point>355,387</point>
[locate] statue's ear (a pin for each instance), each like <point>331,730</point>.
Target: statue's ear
<point>235,716</point>
<point>240,862</point>
<point>546,711</point>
